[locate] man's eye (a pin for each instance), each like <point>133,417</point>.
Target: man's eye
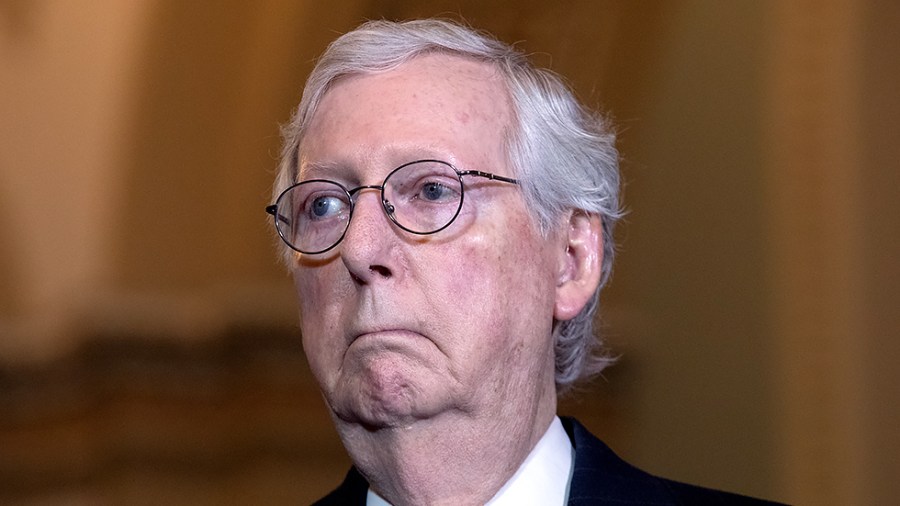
<point>434,191</point>
<point>325,206</point>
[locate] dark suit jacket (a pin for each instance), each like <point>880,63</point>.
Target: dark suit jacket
<point>599,477</point>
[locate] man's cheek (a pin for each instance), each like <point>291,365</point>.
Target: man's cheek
<point>314,291</point>
<point>470,269</point>
<point>315,356</point>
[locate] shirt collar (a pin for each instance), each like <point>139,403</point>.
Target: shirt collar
<point>543,478</point>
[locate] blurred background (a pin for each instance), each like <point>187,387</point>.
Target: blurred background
<point>149,351</point>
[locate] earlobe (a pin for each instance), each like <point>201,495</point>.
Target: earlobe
<point>580,259</point>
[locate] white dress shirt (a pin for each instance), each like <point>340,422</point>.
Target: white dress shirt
<point>542,479</point>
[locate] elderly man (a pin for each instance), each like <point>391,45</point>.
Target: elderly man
<point>449,212</point>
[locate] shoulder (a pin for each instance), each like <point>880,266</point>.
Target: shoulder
<point>351,492</point>
<point>692,494</point>
<point>600,476</point>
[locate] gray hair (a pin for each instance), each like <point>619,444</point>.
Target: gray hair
<point>563,154</point>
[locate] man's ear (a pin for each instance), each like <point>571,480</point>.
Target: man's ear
<point>580,258</point>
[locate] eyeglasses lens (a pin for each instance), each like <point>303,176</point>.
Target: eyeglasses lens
<point>422,197</point>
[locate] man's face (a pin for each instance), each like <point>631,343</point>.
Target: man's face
<point>399,327</point>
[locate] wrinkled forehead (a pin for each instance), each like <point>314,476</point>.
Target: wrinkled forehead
<point>435,105</point>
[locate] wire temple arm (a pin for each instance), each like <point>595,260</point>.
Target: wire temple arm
<point>273,210</point>
<point>488,175</point>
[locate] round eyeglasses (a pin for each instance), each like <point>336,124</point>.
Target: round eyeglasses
<point>421,197</point>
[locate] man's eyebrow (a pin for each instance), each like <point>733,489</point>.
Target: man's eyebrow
<point>321,170</point>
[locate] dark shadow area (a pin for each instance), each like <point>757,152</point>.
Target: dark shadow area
<point>144,419</point>
<point>17,19</point>
<point>9,273</point>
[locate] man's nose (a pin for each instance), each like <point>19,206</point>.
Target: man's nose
<point>369,246</point>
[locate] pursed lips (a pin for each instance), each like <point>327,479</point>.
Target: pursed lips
<point>384,333</point>
<point>399,338</point>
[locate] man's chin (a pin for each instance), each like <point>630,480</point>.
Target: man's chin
<point>386,410</point>
<point>385,405</point>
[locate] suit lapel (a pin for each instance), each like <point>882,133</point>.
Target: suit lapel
<point>600,477</point>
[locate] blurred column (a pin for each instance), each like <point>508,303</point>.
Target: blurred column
<point>827,190</point>
<point>66,72</point>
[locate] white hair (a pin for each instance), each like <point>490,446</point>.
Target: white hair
<point>563,155</point>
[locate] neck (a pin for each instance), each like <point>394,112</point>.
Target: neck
<point>454,458</point>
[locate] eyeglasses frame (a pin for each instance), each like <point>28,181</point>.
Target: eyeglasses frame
<point>386,206</point>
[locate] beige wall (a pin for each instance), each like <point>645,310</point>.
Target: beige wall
<point>753,299</point>
<point>832,172</point>
<point>66,93</point>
